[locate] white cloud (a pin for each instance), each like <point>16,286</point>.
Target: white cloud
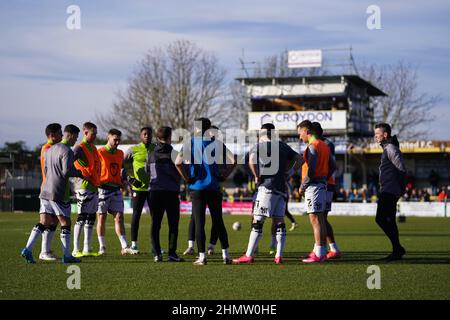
<point>27,106</point>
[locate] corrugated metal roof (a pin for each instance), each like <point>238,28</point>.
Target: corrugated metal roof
<point>353,79</point>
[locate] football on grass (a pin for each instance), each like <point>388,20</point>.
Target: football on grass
<point>236,226</point>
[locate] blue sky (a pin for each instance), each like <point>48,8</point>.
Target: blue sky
<point>49,73</point>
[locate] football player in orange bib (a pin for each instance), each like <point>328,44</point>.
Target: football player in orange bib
<point>88,162</point>
<point>109,193</point>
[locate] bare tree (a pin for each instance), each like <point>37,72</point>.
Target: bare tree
<point>171,86</point>
<point>239,101</point>
<point>405,107</point>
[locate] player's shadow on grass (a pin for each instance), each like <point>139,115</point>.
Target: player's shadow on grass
<point>350,257</point>
<point>377,257</point>
<point>367,257</point>
<point>403,234</point>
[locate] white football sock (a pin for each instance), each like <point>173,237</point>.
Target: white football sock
<point>123,241</point>
<point>101,241</point>
<point>34,235</point>
<point>253,242</point>
<point>318,250</point>
<point>76,236</point>
<point>50,236</point>
<point>211,246</point>
<point>191,243</point>
<point>224,253</point>
<point>281,240</point>
<point>134,243</point>
<point>334,247</point>
<point>87,237</point>
<point>202,255</point>
<point>44,245</point>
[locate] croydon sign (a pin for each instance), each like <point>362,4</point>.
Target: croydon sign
<point>335,120</point>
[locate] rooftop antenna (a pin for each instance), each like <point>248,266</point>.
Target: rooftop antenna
<point>244,63</point>
<point>347,62</point>
<point>352,61</point>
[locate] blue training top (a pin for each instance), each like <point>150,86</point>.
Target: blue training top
<point>205,173</point>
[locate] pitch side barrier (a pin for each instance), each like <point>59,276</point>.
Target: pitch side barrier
<point>407,209</point>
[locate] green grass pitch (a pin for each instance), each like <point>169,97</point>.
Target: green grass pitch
<point>423,274</point>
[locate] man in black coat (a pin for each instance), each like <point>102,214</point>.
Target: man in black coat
<point>392,187</point>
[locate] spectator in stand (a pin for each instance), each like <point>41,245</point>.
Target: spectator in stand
<point>410,195</point>
<point>373,182</point>
<point>406,196</point>
<point>354,195</point>
<point>341,195</point>
<point>296,196</point>
<point>350,195</point>
<point>224,195</point>
<point>414,195</point>
<point>420,194</point>
<point>237,195</point>
<point>358,195</point>
<point>426,196</point>
<point>434,181</point>
<point>410,181</point>
<point>183,192</point>
<point>364,194</point>
<point>442,196</point>
<point>295,181</point>
<point>247,195</point>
